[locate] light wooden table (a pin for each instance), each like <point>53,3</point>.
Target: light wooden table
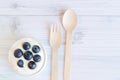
<point>96,40</point>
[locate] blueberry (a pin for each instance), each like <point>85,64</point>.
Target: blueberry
<point>32,65</point>
<point>18,53</point>
<point>37,58</point>
<point>28,55</point>
<point>36,49</point>
<point>20,63</point>
<point>26,45</point>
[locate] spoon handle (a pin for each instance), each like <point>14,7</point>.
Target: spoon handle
<point>67,64</point>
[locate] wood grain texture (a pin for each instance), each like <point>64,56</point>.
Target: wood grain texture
<point>96,40</point>
<point>57,7</point>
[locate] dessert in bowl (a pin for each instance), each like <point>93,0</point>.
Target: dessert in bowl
<point>27,56</point>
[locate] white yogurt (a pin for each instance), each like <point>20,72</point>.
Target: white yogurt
<point>26,70</point>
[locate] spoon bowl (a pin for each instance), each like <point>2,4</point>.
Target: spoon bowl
<point>69,20</point>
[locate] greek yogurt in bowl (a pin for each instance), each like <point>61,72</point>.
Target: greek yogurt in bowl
<point>27,56</point>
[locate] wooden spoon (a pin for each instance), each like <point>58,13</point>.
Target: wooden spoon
<point>69,22</point>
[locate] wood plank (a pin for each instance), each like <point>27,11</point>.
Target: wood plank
<point>93,35</point>
<point>54,7</point>
<point>91,66</point>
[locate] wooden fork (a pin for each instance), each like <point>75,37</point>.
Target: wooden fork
<point>55,42</point>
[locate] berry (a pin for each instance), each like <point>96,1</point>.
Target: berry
<point>32,65</point>
<point>37,58</point>
<point>36,49</point>
<point>20,63</point>
<point>28,55</point>
<point>18,53</point>
<point>26,45</point>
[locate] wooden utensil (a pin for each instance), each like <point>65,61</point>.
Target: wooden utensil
<point>55,42</point>
<point>69,22</point>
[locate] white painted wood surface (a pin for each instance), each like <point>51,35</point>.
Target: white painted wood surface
<point>96,41</point>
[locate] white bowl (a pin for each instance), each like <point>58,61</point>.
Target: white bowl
<point>25,70</point>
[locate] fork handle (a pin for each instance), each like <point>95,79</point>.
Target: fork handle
<point>54,73</point>
<point>67,63</point>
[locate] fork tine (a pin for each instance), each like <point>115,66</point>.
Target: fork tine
<point>52,29</point>
<point>59,28</point>
<point>55,28</point>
